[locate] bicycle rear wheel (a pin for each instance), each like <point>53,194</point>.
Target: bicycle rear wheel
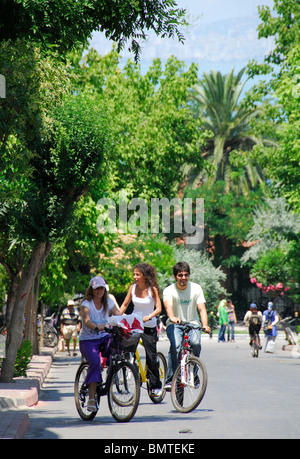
<point>163,369</point>
<point>81,393</point>
<point>189,386</point>
<point>254,347</point>
<point>124,392</point>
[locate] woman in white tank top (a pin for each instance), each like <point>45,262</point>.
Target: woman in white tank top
<point>144,294</point>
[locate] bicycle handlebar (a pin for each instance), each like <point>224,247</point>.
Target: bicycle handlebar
<point>189,325</point>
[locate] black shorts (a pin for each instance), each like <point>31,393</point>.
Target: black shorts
<point>254,329</point>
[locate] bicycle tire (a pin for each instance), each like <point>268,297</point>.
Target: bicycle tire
<point>50,339</point>
<point>254,350</point>
<point>124,392</point>
<point>81,393</point>
<point>163,369</point>
<point>186,397</point>
<point>254,347</point>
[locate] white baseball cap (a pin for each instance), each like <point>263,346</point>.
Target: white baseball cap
<point>97,281</point>
<point>71,303</point>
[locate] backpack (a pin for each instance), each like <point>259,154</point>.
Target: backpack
<point>255,320</point>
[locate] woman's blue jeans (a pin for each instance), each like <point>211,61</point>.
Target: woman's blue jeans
<point>222,333</point>
<point>175,334</point>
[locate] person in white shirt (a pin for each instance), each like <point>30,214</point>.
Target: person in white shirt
<point>183,301</point>
<point>96,308</point>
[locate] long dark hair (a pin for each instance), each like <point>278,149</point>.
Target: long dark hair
<point>149,273</point>
<point>89,296</point>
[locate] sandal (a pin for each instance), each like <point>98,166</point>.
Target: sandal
<point>91,406</point>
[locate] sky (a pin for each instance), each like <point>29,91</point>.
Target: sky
<point>223,35</point>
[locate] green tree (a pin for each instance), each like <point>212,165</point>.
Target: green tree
<point>129,249</point>
<point>204,273</point>
<point>281,164</point>
<point>275,248</point>
<point>65,162</point>
<point>23,115</point>
<point>227,216</point>
<point>283,25</point>
<point>154,130</point>
<point>63,25</point>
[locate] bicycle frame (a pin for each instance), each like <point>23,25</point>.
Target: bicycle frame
<point>186,379</point>
<point>121,385</point>
<point>143,371</point>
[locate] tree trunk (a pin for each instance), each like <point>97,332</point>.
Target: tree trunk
<point>11,299</point>
<point>16,327</point>
<point>225,254</point>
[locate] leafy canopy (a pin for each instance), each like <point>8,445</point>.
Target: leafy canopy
<point>67,24</point>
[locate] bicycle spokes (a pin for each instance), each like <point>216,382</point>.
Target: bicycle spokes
<point>188,384</point>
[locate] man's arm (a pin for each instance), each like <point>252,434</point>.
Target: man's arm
<point>168,303</point>
<point>203,315</point>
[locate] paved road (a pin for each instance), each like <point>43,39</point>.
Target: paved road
<point>245,398</point>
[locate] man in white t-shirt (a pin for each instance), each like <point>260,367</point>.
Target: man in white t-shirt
<point>184,301</point>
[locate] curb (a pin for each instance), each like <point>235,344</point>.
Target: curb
<point>22,393</point>
<point>14,426</point>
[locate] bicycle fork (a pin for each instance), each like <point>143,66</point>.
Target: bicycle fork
<point>187,374</point>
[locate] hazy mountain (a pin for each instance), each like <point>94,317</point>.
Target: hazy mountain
<point>219,45</point>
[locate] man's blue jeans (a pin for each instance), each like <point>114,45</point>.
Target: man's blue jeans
<point>175,333</point>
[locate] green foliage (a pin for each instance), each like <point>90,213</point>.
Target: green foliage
<point>281,164</point>
<point>154,131</point>
<point>275,249</point>
<point>229,121</point>
<point>65,24</point>
<point>283,25</point>
<point>65,163</point>
<point>23,359</point>
<point>129,249</point>
<point>273,221</point>
<point>69,266</point>
<point>227,216</point>
<point>204,273</point>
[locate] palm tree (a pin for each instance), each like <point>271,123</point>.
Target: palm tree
<point>216,99</point>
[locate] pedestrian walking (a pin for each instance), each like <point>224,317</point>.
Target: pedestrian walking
<point>223,320</point>
<point>231,320</point>
<point>270,319</point>
<point>70,325</point>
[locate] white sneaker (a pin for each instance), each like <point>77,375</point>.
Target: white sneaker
<point>92,405</point>
<point>156,392</point>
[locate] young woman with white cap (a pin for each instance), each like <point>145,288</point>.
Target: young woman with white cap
<point>96,307</point>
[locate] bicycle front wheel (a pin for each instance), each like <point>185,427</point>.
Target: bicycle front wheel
<point>124,392</point>
<point>189,384</point>
<point>81,393</point>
